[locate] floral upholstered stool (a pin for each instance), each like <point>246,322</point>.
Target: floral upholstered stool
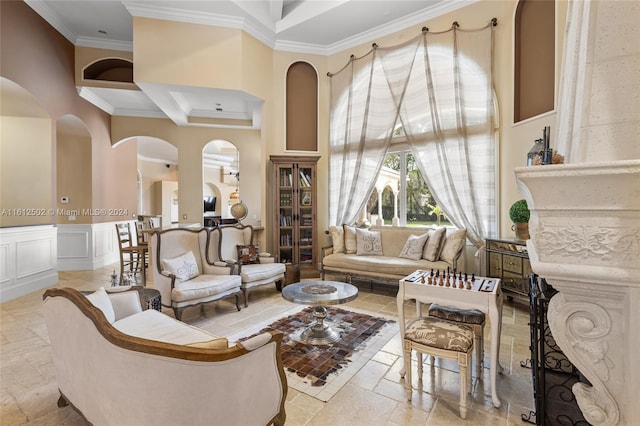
<point>443,339</point>
<point>473,318</point>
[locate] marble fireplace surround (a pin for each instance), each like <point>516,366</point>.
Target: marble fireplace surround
<point>585,241</point>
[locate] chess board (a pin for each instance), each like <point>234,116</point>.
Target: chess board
<point>452,280</point>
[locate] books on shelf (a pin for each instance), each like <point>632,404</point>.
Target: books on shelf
<point>286,177</point>
<point>286,240</point>
<point>305,180</point>
<point>286,220</point>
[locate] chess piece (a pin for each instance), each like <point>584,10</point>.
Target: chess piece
<point>447,282</point>
<point>468,285</point>
<point>422,279</point>
<point>430,279</point>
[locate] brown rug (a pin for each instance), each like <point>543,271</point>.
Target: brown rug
<point>317,365</point>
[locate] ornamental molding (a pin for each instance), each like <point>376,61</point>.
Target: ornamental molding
<point>597,243</point>
<point>582,330</point>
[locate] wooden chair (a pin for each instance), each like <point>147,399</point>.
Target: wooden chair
<point>442,339</point>
<point>132,257</point>
<point>142,239</point>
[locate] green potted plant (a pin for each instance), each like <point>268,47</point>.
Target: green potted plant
<point>519,214</point>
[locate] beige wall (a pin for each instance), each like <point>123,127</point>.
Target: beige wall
<point>152,171</point>
<point>25,171</point>
<point>41,60</point>
<point>200,55</point>
<point>73,163</point>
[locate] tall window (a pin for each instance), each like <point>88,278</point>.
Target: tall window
<point>438,90</point>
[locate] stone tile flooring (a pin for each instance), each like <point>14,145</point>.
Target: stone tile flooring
<point>374,396</point>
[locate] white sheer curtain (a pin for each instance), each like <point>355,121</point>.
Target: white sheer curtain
<point>438,86</point>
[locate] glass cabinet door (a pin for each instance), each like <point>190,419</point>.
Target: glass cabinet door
<point>295,208</point>
<point>285,206</point>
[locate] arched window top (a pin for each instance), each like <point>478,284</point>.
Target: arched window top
<point>113,69</point>
<point>302,107</point>
<point>534,58</point>
<point>441,78</point>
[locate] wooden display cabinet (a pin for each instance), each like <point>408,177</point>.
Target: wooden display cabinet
<point>294,202</point>
<point>508,260</point>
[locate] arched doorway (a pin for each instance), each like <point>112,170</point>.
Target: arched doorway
<point>221,180</point>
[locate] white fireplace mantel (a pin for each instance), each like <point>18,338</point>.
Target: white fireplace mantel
<point>585,241</point>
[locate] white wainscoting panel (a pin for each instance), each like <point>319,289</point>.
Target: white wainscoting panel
<point>86,247</point>
<point>28,258</point>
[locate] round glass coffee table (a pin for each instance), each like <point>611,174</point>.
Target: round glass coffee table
<point>319,294</point>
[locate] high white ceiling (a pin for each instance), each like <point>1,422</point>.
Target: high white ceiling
<point>319,27</point>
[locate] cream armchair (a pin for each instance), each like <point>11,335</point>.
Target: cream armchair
<point>184,274</point>
<point>234,246</point>
<point>119,365</point>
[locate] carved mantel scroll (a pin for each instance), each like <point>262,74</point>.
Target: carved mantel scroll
<point>584,328</point>
<point>585,241</point>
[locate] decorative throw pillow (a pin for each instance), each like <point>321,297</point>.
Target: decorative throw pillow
<point>413,247</point>
<point>350,246</point>
<point>452,244</point>
<point>337,238</point>
<point>368,243</point>
<point>184,267</point>
<point>432,247</point>
<point>100,299</point>
<point>248,253</point>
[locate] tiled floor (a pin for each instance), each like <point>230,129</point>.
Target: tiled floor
<point>374,396</point>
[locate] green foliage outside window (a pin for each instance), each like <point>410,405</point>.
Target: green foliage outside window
<point>421,207</point>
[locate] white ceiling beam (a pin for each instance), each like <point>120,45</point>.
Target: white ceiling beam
<point>275,9</point>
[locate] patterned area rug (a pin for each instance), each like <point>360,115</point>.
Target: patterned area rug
<point>321,370</point>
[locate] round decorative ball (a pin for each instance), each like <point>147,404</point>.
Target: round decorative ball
<point>239,211</point>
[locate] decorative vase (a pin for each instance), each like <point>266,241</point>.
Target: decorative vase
<point>522,230</point>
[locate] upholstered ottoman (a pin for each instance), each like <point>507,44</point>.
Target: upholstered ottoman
<point>473,318</point>
<point>443,339</point>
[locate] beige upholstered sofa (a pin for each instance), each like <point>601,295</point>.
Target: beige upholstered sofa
<point>183,272</point>
<point>385,254</point>
<point>234,245</point>
<point>119,365</point>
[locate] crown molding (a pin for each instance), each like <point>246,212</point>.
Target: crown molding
<point>397,25</point>
<point>146,10</point>
<point>90,96</point>
<point>99,43</point>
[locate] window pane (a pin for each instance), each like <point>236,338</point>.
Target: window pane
<point>413,192</point>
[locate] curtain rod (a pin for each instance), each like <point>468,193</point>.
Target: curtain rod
<point>425,30</point>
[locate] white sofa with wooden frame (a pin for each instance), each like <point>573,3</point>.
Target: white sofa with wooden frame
<point>183,272</point>
<point>119,365</point>
<point>234,245</point>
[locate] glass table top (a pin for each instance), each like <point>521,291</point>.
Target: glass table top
<point>320,292</point>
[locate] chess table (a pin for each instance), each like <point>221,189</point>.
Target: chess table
<point>473,293</point>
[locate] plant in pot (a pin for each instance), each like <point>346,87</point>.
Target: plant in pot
<point>519,214</point>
